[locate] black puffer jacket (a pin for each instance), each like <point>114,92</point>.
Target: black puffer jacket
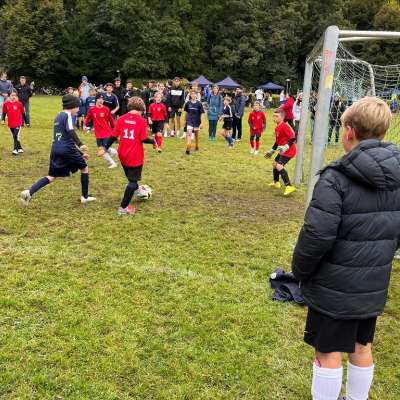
<point>351,231</point>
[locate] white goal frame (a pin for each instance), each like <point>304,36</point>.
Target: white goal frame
<point>327,45</point>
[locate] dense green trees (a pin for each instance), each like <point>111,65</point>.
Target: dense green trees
<point>55,41</point>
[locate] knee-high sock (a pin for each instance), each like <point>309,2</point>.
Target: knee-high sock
<point>276,175</point>
<point>42,182</point>
<point>359,381</point>
<point>129,191</point>
<point>285,177</point>
<point>108,158</point>
<point>159,140</point>
<point>85,184</point>
<point>252,141</point>
<point>112,151</point>
<point>257,143</point>
<point>326,383</point>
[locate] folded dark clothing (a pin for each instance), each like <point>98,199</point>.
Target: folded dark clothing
<point>286,286</point>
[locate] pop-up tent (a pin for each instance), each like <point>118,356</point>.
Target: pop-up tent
<point>201,81</point>
<point>270,86</point>
<point>228,83</point>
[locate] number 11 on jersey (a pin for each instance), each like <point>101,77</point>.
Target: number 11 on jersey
<point>129,134</point>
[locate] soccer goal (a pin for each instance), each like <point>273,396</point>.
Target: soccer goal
<point>334,78</point>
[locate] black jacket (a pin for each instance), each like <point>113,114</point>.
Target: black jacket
<point>24,92</point>
<point>351,231</point>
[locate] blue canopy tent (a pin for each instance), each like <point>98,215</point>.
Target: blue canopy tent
<point>270,86</point>
<point>202,81</point>
<point>228,83</point>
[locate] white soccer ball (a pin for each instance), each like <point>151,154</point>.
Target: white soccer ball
<point>144,192</point>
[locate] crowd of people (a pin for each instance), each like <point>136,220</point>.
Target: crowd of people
<point>351,232</point>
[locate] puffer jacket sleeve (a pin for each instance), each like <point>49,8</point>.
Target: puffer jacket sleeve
<point>320,227</point>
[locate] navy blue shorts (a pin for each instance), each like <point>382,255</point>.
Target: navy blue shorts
<point>65,160</point>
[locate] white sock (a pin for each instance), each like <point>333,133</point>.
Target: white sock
<point>359,381</point>
<point>108,158</point>
<point>326,383</point>
<point>112,151</point>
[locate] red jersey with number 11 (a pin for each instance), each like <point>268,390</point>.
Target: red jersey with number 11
<point>131,129</point>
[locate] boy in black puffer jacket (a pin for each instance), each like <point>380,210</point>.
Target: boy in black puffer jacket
<point>344,253</point>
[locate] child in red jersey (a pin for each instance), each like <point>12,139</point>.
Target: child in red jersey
<point>103,123</point>
<point>157,117</point>
<point>131,129</point>
<point>15,112</point>
<point>285,144</point>
<point>257,124</point>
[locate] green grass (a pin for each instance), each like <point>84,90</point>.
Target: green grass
<point>173,303</point>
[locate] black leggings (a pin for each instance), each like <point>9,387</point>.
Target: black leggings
<point>237,126</point>
<point>16,133</point>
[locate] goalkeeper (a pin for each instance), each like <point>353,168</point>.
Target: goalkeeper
<point>286,147</point>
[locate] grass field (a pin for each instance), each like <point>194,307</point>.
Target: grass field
<point>173,303</point>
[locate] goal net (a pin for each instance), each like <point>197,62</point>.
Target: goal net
<point>348,80</point>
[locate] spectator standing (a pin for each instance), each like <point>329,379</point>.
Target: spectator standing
<point>238,110</point>
<point>119,92</point>
<point>5,88</point>
<point>24,94</point>
<point>215,105</point>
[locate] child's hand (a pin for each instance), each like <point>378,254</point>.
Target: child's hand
<point>101,151</point>
<point>269,153</point>
<point>84,148</point>
<point>201,126</point>
<point>85,156</point>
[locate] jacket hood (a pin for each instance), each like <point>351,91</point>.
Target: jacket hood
<point>372,163</point>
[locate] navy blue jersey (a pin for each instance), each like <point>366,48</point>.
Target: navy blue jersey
<point>227,113</point>
<point>194,111</point>
<point>90,102</point>
<point>110,101</point>
<point>64,133</point>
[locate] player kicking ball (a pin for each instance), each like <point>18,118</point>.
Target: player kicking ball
<point>286,146</point>
<point>68,153</point>
<point>131,129</point>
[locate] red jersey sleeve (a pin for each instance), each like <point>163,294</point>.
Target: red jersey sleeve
<point>117,128</point>
<point>110,118</point>
<point>88,117</point>
<point>288,131</point>
<point>165,113</point>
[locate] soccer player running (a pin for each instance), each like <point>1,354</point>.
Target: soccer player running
<point>194,112</point>
<point>257,125</point>
<point>131,129</point>
<point>175,105</point>
<point>68,153</point>
<point>103,123</point>
<point>286,146</point>
<point>14,110</point>
<point>157,117</point>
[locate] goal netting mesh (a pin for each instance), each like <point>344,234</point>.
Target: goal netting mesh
<point>354,79</point>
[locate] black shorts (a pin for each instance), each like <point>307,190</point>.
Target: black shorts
<point>133,174</point>
<point>157,126</point>
<point>329,335</point>
<point>283,160</point>
<point>65,162</point>
<point>227,124</point>
<point>101,142</point>
<point>175,111</point>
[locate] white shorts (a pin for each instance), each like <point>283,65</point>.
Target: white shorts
<point>192,128</point>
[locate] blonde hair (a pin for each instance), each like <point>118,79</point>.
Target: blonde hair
<point>369,117</point>
<point>228,99</point>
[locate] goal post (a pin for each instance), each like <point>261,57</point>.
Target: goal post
<point>345,74</point>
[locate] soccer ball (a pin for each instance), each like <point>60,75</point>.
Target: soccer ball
<point>143,192</point>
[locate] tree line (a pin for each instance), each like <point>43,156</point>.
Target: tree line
<point>254,41</point>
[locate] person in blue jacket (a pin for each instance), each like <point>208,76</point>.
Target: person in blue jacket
<point>215,105</point>
<point>239,104</point>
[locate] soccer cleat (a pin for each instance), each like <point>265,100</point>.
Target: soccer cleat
<point>113,165</point>
<point>276,185</point>
<point>25,198</point>
<point>252,151</point>
<point>289,189</point>
<point>28,125</point>
<point>172,133</point>
<point>256,153</point>
<point>15,152</point>
<point>159,150</point>
<point>20,150</point>
<point>188,152</point>
<point>87,199</point>
<point>130,210</point>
